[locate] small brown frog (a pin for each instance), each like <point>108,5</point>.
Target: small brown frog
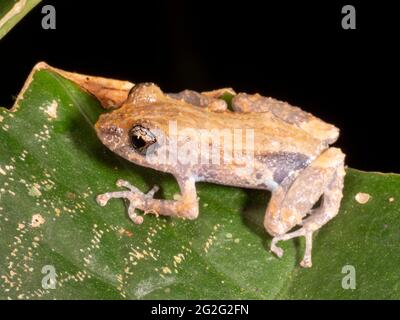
<point>287,153</point>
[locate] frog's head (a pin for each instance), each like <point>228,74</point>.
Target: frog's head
<point>133,131</point>
<point>144,130</point>
<point>136,140</point>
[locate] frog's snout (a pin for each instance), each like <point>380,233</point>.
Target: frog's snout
<point>110,135</point>
<point>109,130</point>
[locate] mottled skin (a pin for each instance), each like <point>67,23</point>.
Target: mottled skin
<point>290,156</point>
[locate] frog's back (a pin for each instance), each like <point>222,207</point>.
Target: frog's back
<point>274,135</point>
<point>271,134</point>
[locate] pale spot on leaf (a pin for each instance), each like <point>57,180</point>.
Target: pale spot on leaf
<point>37,220</point>
<point>362,197</point>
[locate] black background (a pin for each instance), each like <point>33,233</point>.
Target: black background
<point>295,51</point>
<point>141,309</point>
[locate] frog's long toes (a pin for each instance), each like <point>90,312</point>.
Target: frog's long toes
<point>137,220</point>
<point>126,184</point>
<point>102,199</point>
<point>278,251</point>
<point>120,183</point>
<point>275,249</point>
<point>152,191</point>
<point>152,211</point>
<point>306,263</point>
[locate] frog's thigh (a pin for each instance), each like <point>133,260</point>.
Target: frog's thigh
<point>292,201</point>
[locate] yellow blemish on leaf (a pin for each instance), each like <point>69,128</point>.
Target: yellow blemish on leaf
<point>179,257</point>
<point>37,220</point>
<point>51,110</point>
<point>124,232</point>
<point>136,254</point>
<point>166,270</point>
<point>362,197</point>
<point>34,191</point>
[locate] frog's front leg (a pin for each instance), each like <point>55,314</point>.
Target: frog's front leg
<point>186,207</point>
<point>294,199</point>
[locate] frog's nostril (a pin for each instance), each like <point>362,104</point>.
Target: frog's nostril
<point>111,130</point>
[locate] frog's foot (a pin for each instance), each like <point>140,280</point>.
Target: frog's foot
<point>186,207</point>
<point>306,262</point>
<point>134,196</point>
<point>294,199</point>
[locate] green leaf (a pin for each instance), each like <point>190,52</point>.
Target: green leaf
<point>52,166</point>
<point>12,11</point>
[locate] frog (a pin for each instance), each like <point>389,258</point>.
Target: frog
<point>290,156</point>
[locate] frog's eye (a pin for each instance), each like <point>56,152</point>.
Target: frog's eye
<point>141,138</point>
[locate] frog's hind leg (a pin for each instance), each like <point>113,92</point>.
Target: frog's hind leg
<point>186,206</point>
<point>294,199</point>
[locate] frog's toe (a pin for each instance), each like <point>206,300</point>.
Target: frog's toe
<point>275,249</point>
<point>153,191</point>
<point>120,183</point>
<point>102,199</point>
<point>126,184</point>
<point>306,262</point>
<point>137,220</point>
